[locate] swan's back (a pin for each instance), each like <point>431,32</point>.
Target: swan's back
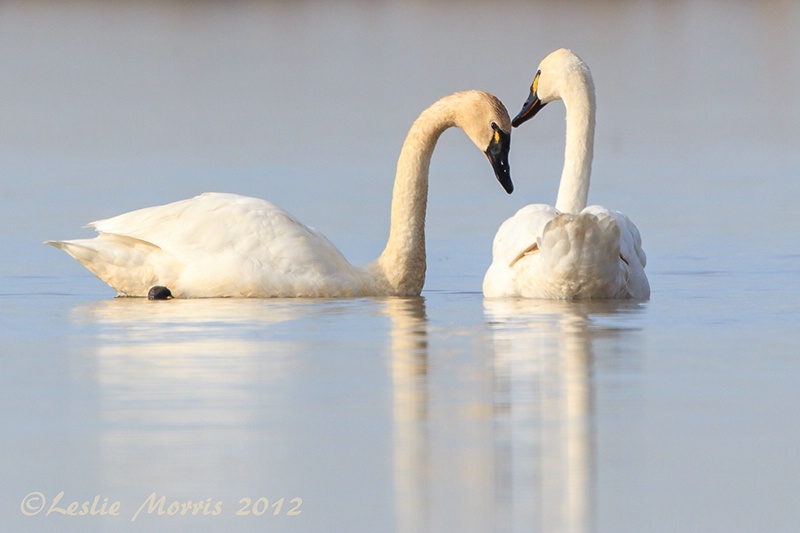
<point>542,253</point>
<point>215,245</point>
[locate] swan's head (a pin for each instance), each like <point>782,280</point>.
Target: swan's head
<point>485,120</point>
<point>559,73</point>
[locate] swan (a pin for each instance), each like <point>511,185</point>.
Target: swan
<point>227,245</point>
<point>567,251</point>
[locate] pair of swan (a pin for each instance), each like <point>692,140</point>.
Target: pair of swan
<point>226,245</point>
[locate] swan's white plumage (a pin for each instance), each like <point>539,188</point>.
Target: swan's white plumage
<point>543,253</point>
<point>569,251</point>
<point>226,245</point>
<point>217,244</point>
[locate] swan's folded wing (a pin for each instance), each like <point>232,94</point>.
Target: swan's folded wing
<point>207,221</point>
<point>630,241</point>
<point>636,284</point>
<point>231,228</point>
<point>520,234</point>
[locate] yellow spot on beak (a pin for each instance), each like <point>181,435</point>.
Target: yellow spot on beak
<point>497,137</point>
<point>535,86</point>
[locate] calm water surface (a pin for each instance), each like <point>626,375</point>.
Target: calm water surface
<point>446,412</point>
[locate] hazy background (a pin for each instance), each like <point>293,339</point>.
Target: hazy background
<point>441,413</point>
<point>307,104</point>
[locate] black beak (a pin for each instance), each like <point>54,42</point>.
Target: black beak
<point>497,152</point>
<point>529,109</point>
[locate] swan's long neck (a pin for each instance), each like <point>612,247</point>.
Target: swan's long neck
<point>402,262</point>
<point>573,192</point>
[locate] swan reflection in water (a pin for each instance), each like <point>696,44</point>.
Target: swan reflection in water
<point>544,353</point>
<point>409,371</point>
<point>525,461</point>
<point>181,382</point>
<point>489,426</point>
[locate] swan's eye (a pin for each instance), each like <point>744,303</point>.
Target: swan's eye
<point>496,136</point>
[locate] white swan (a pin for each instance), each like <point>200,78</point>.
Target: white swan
<point>225,245</point>
<point>569,251</point>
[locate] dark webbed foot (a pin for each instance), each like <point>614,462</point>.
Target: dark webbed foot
<point>159,293</point>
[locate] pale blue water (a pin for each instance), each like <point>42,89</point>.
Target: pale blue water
<point>439,413</point>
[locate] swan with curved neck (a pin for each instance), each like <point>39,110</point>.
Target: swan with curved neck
<point>569,251</point>
<point>226,245</point>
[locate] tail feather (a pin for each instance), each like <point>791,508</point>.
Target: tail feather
<point>130,266</point>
